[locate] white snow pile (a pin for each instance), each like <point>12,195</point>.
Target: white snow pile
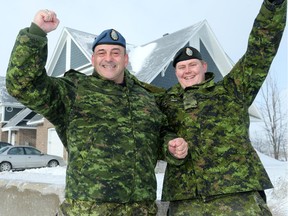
<point>53,180</point>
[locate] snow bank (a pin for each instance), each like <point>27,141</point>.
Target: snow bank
<point>40,191</point>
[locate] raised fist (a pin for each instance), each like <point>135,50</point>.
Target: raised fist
<point>46,20</point>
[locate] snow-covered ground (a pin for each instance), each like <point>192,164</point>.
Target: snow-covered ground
<point>277,198</point>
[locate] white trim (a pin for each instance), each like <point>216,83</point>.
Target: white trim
<point>68,54</point>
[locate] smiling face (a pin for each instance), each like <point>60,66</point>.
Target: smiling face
<point>110,62</point>
<point>190,72</point>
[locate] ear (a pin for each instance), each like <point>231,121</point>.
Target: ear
<point>205,66</point>
<point>126,59</point>
<point>92,59</point>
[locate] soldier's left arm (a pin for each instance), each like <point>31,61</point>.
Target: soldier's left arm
<point>249,73</point>
<point>166,134</point>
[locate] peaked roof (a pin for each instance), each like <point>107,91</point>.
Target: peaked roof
<point>37,119</point>
<point>166,47</point>
<point>5,98</point>
<point>147,61</point>
<point>19,120</point>
<point>83,41</point>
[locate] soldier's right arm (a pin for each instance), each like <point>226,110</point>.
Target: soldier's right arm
<point>26,77</point>
<point>46,20</point>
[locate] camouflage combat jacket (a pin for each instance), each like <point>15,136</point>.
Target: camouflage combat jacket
<point>214,119</point>
<point>111,132</point>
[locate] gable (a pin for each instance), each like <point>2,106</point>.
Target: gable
<point>20,120</point>
<point>211,63</point>
<point>164,50</point>
<point>167,77</point>
<point>60,65</point>
<point>151,62</point>
<point>72,52</point>
<point>77,57</point>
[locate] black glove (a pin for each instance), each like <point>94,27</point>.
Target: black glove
<point>276,2</point>
<point>272,4</point>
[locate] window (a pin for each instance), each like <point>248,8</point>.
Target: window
<point>32,151</point>
<point>16,151</point>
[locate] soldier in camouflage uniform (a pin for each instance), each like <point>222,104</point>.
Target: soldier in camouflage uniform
<point>222,174</point>
<point>108,122</point>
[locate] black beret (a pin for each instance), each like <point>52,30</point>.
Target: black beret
<point>186,53</point>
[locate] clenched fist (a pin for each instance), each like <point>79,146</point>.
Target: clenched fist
<point>46,20</point>
<point>178,147</point>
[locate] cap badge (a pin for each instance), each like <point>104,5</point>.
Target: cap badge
<point>114,35</point>
<point>189,52</point>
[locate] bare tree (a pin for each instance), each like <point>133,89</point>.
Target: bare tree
<point>260,144</point>
<point>274,117</point>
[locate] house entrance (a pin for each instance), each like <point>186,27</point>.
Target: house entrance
<point>55,146</point>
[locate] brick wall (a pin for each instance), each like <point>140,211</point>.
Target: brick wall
<point>42,135</point>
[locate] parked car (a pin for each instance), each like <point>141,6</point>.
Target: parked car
<point>24,157</point>
<point>3,144</point>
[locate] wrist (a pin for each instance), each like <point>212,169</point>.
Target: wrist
<point>36,30</point>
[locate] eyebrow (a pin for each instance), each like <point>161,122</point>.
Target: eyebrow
<point>115,48</point>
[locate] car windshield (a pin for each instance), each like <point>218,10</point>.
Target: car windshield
<point>3,149</point>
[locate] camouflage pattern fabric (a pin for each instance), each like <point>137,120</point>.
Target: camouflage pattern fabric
<point>77,208</point>
<point>213,118</point>
<point>111,132</point>
<point>242,204</point>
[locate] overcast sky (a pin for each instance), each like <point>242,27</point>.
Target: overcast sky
<point>141,22</point>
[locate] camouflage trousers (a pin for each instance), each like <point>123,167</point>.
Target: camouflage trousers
<point>240,204</point>
<point>84,208</point>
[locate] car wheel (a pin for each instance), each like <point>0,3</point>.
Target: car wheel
<point>53,163</point>
<point>5,166</point>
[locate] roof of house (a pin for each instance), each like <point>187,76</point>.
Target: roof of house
<point>37,119</point>
<point>19,120</point>
<point>73,50</point>
<point>5,98</point>
<point>148,60</point>
<point>151,59</point>
<point>164,49</point>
